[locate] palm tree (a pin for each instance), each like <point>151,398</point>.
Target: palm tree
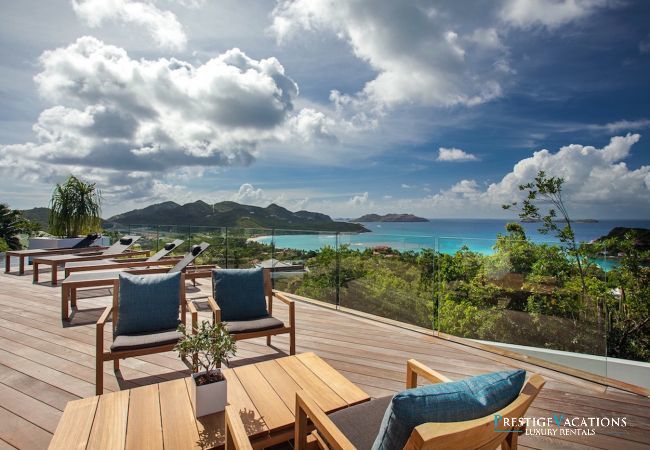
<point>10,226</point>
<point>75,208</point>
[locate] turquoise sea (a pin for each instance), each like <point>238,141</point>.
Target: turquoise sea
<point>444,235</point>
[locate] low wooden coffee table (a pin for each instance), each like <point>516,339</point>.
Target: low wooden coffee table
<point>160,415</point>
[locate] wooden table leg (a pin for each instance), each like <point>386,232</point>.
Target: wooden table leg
<point>21,265</point>
<point>35,264</point>
<point>7,262</point>
<point>73,297</point>
<point>55,274</point>
<point>64,302</point>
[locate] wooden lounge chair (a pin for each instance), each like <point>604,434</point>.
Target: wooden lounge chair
<point>84,246</point>
<point>265,324</point>
<point>102,264</point>
<point>120,248</point>
<point>363,421</point>
<point>137,343</point>
<point>107,278</point>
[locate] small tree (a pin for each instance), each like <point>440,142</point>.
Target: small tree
<point>549,190</point>
<point>75,208</point>
<point>212,345</point>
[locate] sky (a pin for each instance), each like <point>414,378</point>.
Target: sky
<point>436,108</point>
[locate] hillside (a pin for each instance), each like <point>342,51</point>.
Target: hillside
<point>618,233</point>
<point>232,214</point>
<point>390,218</point>
<point>39,215</point>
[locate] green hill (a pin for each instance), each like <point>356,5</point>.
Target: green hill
<point>231,214</point>
<point>39,215</point>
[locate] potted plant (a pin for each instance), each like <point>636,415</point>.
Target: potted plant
<point>74,215</point>
<point>209,346</point>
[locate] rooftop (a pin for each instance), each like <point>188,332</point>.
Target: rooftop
<point>44,365</point>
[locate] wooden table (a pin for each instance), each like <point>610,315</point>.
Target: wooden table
<point>160,415</point>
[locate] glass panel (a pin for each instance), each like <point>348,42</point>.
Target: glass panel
<point>304,263</point>
<point>523,296</point>
<point>247,248</point>
<point>391,277</point>
<point>216,237</point>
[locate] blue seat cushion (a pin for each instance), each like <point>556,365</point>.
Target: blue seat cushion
<point>239,293</point>
<point>457,401</point>
<point>148,303</point>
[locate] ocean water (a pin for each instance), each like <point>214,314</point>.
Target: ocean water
<point>444,235</point>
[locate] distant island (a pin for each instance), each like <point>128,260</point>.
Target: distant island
<point>222,214</point>
<point>390,218</point>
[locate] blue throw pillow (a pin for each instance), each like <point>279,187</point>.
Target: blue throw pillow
<point>457,401</point>
<point>239,293</point>
<point>148,303</point>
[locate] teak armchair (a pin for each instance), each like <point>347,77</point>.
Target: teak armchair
<point>250,329</point>
<point>472,434</point>
<point>136,348</point>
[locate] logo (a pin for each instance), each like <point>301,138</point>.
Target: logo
<point>559,425</point>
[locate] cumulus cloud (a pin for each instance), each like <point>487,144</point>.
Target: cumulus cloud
<point>359,200</point>
<point>548,13</point>
<point>130,122</point>
<point>248,195</point>
<point>163,26</point>
<point>595,179</point>
<point>429,55</point>
<point>406,186</point>
<point>454,155</point>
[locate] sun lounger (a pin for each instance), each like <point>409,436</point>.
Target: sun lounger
<point>159,257</point>
<point>81,247</point>
<point>120,248</point>
<point>98,279</point>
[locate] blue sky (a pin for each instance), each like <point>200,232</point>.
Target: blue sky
<point>435,108</point>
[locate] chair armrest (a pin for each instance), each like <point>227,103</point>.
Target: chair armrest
<point>306,408</point>
<point>415,368</point>
<point>104,317</point>
<point>282,297</point>
<point>216,311</point>
<point>194,313</point>
<point>236,436</point>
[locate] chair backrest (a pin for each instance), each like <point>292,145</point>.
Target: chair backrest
<point>166,250</point>
<point>116,300</point>
<point>483,433</point>
<point>190,256</point>
<point>87,241</point>
<point>237,293</point>
<point>121,245</point>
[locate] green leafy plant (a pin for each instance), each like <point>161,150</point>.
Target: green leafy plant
<point>12,223</point>
<point>75,208</point>
<point>212,345</point>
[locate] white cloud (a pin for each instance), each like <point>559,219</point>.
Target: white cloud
<point>644,45</point>
<point>596,179</point>
<point>548,13</point>
<point>359,200</point>
<point>422,55</point>
<point>130,124</point>
<point>454,155</point>
<point>248,195</point>
<point>406,186</point>
<point>622,125</point>
<point>163,26</point>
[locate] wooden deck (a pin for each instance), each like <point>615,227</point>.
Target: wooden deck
<point>43,365</point>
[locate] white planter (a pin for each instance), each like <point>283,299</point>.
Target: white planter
<point>208,398</point>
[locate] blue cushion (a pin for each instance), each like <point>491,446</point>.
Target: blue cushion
<point>446,402</point>
<point>239,293</point>
<point>148,303</point>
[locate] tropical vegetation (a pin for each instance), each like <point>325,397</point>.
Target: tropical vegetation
<point>75,208</point>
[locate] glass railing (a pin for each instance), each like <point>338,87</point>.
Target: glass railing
<point>528,297</point>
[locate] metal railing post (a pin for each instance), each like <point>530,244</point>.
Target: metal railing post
<point>337,275</point>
